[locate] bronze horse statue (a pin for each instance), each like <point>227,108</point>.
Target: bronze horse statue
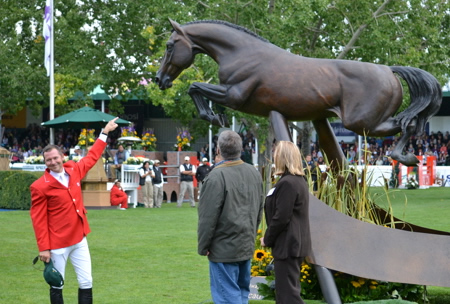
<point>257,77</point>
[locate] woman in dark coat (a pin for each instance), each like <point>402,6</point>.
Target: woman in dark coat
<point>286,211</point>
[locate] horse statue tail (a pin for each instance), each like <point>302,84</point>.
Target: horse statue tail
<point>426,97</point>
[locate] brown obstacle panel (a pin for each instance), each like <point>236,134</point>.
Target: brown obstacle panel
<point>344,244</point>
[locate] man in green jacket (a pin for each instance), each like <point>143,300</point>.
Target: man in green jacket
<point>230,210</point>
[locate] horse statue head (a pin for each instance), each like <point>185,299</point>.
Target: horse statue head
<point>179,55</point>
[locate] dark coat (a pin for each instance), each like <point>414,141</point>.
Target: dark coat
<point>202,172</point>
<point>286,210</point>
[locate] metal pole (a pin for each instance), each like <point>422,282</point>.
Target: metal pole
<point>327,285</point>
<point>52,77</point>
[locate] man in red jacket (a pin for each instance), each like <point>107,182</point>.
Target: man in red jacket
<point>59,217</point>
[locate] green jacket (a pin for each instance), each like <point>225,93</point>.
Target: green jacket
<point>229,212</point>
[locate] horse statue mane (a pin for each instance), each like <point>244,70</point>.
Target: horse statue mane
<point>237,27</point>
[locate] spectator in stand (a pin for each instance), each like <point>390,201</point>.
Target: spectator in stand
<point>158,183</point>
<point>310,170</point>
<point>78,154</point>
<point>118,197</point>
<point>443,149</point>
<point>202,171</point>
<point>320,161</point>
<point>379,161</point>
<point>351,157</point>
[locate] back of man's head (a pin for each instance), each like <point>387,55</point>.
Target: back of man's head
<point>230,145</point>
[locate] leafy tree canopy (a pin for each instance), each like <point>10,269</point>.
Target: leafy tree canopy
<point>118,43</point>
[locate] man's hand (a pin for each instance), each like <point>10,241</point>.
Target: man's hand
<point>110,126</point>
<point>45,255</point>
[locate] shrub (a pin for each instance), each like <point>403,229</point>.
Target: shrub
<point>15,189</point>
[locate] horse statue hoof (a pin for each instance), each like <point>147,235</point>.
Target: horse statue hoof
<point>224,119</point>
<point>220,120</point>
<point>409,160</point>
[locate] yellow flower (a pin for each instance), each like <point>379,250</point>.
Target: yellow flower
<point>259,255</point>
<point>374,282</point>
<point>259,231</point>
<point>355,284</point>
<point>372,287</point>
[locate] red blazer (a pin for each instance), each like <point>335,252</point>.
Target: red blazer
<point>118,196</point>
<point>58,214</point>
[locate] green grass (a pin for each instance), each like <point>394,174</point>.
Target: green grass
<point>150,255</point>
<point>424,207</point>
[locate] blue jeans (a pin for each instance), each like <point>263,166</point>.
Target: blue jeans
<point>230,282</point>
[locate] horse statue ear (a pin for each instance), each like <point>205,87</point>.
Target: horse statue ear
<point>176,27</point>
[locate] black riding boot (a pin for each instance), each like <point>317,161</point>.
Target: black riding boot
<point>85,296</point>
<point>56,296</point>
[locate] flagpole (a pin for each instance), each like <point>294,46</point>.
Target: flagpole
<point>52,77</point>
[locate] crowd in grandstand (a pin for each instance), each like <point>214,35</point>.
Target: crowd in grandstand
<point>377,151</point>
<point>30,141</point>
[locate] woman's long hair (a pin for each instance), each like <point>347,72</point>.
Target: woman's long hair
<point>143,164</point>
<point>287,159</point>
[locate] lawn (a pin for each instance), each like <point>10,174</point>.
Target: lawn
<point>149,255</point>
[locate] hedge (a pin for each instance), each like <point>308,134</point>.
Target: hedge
<point>15,189</point>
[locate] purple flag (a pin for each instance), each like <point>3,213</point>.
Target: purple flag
<point>48,35</point>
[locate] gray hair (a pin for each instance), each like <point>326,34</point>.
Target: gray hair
<point>230,145</point>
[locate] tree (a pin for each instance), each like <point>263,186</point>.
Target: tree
<point>116,43</point>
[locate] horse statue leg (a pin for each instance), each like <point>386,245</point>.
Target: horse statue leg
<point>409,159</point>
<point>201,93</point>
<point>330,145</point>
<point>279,126</point>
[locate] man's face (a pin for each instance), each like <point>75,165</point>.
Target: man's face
<point>120,148</point>
<point>54,160</point>
<point>308,158</point>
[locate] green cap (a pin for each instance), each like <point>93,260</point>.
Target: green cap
<point>52,276</point>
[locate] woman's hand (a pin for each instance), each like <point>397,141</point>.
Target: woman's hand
<point>262,242</point>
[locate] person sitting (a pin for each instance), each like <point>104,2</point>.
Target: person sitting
<point>77,154</point>
<point>120,157</point>
<point>118,197</point>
